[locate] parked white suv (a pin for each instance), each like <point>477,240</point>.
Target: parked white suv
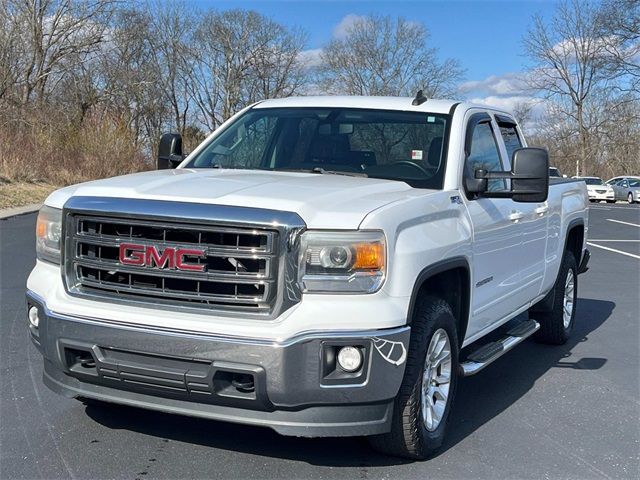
<point>324,266</point>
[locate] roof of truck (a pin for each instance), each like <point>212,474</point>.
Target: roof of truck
<point>381,103</point>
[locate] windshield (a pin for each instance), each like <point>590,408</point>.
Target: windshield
<point>393,145</point>
<point>592,181</point>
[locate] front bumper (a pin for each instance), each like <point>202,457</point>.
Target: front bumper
<point>297,389</point>
<point>593,195</point>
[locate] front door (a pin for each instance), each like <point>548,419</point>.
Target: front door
<point>497,237</point>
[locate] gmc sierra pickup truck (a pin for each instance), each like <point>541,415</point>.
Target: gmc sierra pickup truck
<point>323,266</point>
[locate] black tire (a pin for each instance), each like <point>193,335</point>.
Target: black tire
<point>409,437</point>
<point>552,326</point>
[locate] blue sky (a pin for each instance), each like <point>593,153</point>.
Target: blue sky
<point>485,36</point>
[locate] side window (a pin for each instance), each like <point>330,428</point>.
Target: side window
<point>484,154</point>
<point>510,137</point>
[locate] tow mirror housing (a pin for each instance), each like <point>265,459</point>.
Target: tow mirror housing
<point>170,151</point>
<point>529,177</point>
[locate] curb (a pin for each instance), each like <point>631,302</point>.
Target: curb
<point>14,212</point>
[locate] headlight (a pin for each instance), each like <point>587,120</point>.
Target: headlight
<point>342,262</point>
<point>48,233</point>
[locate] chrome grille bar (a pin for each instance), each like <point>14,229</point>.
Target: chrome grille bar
<point>245,264</point>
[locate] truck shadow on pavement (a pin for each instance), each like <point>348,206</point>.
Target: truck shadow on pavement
<point>478,400</point>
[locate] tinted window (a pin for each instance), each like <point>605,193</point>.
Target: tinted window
<point>592,181</point>
<point>483,154</point>
<point>394,145</point>
<point>634,183</point>
<point>510,138</point>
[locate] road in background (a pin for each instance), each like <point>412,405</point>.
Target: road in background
<point>538,412</point>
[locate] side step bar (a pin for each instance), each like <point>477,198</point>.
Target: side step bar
<point>490,352</point>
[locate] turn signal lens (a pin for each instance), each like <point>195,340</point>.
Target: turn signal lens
<point>369,256</point>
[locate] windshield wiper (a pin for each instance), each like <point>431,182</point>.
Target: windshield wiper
<point>338,172</point>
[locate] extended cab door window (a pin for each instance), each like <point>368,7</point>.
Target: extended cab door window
<point>509,134</point>
<point>484,154</point>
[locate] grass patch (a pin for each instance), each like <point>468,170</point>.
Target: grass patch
<point>18,194</point>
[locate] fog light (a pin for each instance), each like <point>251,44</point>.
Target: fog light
<point>34,319</point>
<point>349,359</point>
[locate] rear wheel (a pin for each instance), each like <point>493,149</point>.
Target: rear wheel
<point>422,407</point>
<point>556,325</point>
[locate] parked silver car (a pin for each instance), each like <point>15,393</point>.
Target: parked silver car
<point>628,189</point>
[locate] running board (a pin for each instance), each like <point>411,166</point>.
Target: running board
<point>490,352</point>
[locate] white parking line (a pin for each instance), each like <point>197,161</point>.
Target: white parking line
<point>601,240</point>
<point>614,250</point>
<point>624,223</point>
<point>602,207</point>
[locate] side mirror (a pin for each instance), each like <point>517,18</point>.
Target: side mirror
<point>529,177</point>
<point>170,151</point>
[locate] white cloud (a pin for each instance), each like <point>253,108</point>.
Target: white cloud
<point>507,84</point>
<point>310,58</point>
<point>507,103</point>
<point>341,30</point>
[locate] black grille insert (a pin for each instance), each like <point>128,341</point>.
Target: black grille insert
<point>239,264</point>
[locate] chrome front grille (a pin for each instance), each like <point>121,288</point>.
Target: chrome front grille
<point>241,264</point>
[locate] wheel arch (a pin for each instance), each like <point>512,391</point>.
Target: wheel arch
<point>450,280</point>
<point>574,239</point>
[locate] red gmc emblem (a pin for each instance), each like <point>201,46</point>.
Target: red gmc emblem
<point>171,258</point>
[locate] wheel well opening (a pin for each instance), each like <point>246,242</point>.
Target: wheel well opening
<point>574,242</point>
<point>452,286</point>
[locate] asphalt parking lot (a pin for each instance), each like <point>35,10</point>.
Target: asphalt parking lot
<point>538,412</point>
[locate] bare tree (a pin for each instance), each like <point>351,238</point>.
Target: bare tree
<point>569,64</point>
<point>381,55</point>
<point>170,27</point>
<point>51,33</point>
<point>132,88</point>
<point>242,57</point>
<point>9,49</point>
<point>619,24</point>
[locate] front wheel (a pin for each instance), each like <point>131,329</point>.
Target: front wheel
<point>423,403</point>
<point>630,198</point>
<point>556,325</point>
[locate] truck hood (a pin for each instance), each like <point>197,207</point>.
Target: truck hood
<point>322,200</point>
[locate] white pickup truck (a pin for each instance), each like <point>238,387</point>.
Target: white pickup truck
<point>324,266</point>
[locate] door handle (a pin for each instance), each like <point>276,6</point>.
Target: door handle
<point>542,210</point>
<point>516,216</point>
